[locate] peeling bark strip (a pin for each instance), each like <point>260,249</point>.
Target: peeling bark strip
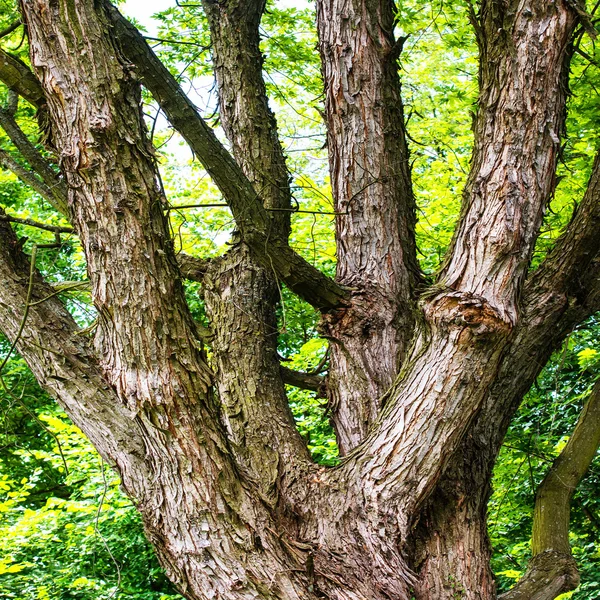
<point>372,190</point>
<point>222,480</point>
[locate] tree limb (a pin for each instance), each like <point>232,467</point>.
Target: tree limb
<point>54,184</point>
<point>28,178</point>
<point>375,210</point>
<point>18,77</point>
<point>36,224</point>
<point>8,30</point>
<point>552,570</point>
<point>241,295</point>
<point>304,381</point>
<point>251,217</point>
<point>248,121</point>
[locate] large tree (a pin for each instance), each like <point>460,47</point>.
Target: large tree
<point>424,376</point>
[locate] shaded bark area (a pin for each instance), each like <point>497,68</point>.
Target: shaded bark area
<point>240,299</point>
<point>241,293</point>
<point>370,179</point>
<point>451,551</point>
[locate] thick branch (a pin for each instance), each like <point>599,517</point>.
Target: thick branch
<point>552,570</point>
<point>241,295</point>
<point>456,357</point>
<point>523,86</point>
<point>18,77</point>
<point>552,509</point>
<point>247,119</point>
<point>53,189</point>
<point>247,208</point>
<point>53,182</point>
<point>200,510</point>
<point>375,221</point>
<point>304,381</point>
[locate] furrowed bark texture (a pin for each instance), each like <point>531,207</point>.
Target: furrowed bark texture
<point>223,481</point>
<point>370,178</point>
<point>241,294</point>
<point>247,119</point>
<point>198,511</point>
<point>519,120</point>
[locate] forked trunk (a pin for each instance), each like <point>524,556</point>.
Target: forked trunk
<point>421,388</point>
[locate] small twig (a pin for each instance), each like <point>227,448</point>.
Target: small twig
<point>63,289</point>
<point>169,208</point>
<point>166,41</point>
<point>97,530</point>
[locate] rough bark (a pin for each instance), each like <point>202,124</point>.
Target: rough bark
<point>210,532</point>
<point>520,117</point>
<point>242,294</point>
<point>247,119</point>
<point>562,293</point>
<point>223,482</point>
<point>370,178</point>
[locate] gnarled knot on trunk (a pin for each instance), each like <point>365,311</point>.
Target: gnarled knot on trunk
<point>462,309</point>
<point>367,312</point>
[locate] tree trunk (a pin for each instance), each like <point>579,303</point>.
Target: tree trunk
<point>421,388</point>
<point>373,197</point>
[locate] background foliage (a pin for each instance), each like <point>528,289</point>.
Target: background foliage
<point>66,530</point>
